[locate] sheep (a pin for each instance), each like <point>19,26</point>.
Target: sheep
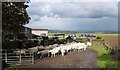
<point>89,44</point>
<point>33,49</point>
<point>73,46</point>
<point>42,53</point>
<point>63,50</point>
<point>18,52</point>
<point>68,48</point>
<point>54,51</point>
<point>84,46</point>
<point>22,51</point>
<point>55,45</point>
<point>79,46</point>
<point>57,50</point>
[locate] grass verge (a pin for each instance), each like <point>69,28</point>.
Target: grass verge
<point>104,58</point>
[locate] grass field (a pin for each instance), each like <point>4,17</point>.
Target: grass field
<point>104,59</point>
<point>100,34</point>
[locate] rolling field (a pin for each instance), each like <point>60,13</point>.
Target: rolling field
<point>112,41</point>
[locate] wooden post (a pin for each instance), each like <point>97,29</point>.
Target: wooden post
<point>6,56</point>
<point>64,36</point>
<point>91,40</point>
<point>33,58</point>
<point>20,58</point>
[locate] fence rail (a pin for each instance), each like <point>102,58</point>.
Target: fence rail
<point>12,58</point>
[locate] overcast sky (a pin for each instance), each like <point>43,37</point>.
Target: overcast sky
<point>74,15</point>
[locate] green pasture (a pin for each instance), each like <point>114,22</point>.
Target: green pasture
<point>96,34</point>
<point>99,34</point>
<point>104,59</point>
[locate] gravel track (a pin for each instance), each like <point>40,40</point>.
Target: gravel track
<point>74,59</point>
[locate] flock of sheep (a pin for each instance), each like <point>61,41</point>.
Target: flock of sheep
<point>54,50</point>
<point>65,48</point>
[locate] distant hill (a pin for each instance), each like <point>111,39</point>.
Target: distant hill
<point>63,31</point>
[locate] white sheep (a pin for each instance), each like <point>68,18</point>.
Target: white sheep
<point>89,44</point>
<point>18,52</point>
<point>63,50</point>
<point>54,51</point>
<point>84,46</point>
<point>68,48</point>
<point>42,53</point>
<point>22,51</point>
<point>33,49</point>
<point>79,46</point>
<point>73,46</point>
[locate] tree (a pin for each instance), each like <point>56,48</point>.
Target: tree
<point>14,16</point>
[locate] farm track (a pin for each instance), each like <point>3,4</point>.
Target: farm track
<point>74,59</point>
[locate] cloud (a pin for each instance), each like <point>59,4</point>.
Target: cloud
<point>75,1</point>
<point>74,15</point>
<point>100,24</point>
<point>75,10</point>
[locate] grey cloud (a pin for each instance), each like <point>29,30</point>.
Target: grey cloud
<point>100,24</point>
<point>74,16</point>
<point>73,10</point>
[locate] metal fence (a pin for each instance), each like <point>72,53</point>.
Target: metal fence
<point>11,58</point>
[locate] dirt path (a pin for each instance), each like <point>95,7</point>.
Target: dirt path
<point>74,59</point>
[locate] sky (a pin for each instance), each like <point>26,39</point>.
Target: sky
<point>74,15</point>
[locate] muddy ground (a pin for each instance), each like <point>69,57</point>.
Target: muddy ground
<point>74,59</point>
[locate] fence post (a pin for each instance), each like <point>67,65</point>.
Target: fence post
<point>33,58</point>
<point>6,56</point>
<point>90,40</point>
<point>20,58</point>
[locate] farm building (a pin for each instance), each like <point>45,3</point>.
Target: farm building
<point>28,32</point>
<point>40,32</point>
